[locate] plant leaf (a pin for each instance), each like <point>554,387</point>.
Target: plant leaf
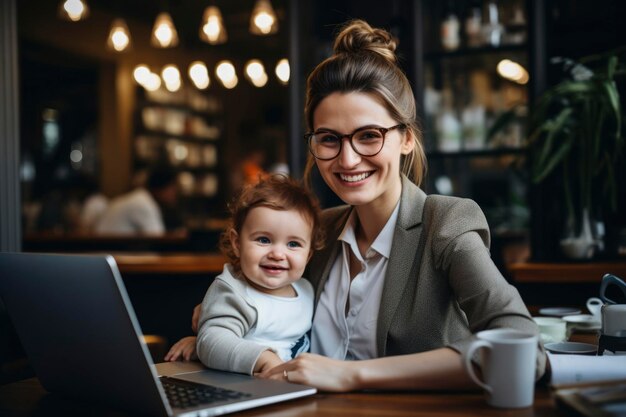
<point>556,157</point>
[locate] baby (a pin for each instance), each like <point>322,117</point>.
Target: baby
<point>257,313</point>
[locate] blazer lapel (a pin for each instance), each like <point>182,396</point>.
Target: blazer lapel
<point>322,262</point>
<point>404,256</point>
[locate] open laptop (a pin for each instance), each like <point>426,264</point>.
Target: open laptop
<point>83,340</point>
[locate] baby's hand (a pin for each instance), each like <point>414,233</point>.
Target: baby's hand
<point>267,360</point>
<point>184,349</point>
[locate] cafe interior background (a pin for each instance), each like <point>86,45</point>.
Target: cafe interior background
<point>108,94</point>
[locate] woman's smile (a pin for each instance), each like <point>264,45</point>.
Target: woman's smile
<point>355,178</point>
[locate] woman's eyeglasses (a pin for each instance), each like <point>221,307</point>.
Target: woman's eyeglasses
<point>366,141</point>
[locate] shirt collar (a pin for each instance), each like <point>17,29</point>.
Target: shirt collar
<point>382,243</point>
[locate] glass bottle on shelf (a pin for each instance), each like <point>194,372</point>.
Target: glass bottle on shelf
<point>493,29</point>
<point>473,23</point>
<point>516,27</point>
<point>448,126</point>
<point>450,30</point>
<point>473,125</point>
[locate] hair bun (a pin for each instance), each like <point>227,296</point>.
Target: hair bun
<point>358,36</point>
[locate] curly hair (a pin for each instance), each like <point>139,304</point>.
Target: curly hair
<point>278,193</point>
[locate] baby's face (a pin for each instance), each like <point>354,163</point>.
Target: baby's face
<point>274,247</point>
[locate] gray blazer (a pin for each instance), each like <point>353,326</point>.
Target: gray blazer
<point>441,285</point>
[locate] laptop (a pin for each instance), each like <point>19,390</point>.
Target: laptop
<point>80,333</point>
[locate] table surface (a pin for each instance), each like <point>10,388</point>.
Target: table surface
<point>27,398</point>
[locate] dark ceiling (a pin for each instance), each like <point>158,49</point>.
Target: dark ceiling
<point>187,16</point>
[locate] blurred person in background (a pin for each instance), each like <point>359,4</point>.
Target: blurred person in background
<point>140,212</point>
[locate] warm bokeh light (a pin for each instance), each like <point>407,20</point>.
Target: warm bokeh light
<point>513,71</point>
<point>171,77</point>
<point>119,36</point>
<point>141,74</point>
<point>199,75</point>
<point>164,33</point>
<point>173,86</point>
<point>263,20</point>
<point>255,72</point>
<point>225,71</point>
<point>73,10</point>
<point>170,74</point>
<point>283,71</point>
<point>153,82</point>
<point>212,29</point>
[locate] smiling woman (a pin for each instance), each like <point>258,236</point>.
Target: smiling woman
<point>405,279</point>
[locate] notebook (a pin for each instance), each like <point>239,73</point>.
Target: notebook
<point>83,340</point>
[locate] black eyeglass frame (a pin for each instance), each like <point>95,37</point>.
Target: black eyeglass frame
<point>383,131</point>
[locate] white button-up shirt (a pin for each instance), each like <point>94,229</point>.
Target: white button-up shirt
<point>348,331</point>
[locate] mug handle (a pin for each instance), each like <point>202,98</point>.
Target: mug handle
<point>607,280</point>
<point>594,302</point>
<point>469,367</point>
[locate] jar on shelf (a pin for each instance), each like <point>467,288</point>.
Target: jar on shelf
<point>450,30</point>
<point>473,25</point>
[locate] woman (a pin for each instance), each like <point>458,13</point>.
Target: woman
<point>404,279</point>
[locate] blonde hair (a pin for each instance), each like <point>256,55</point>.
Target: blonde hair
<point>364,61</point>
<point>278,193</point>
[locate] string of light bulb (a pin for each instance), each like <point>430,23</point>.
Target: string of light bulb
<point>170,76</point>
<point>263,21</point>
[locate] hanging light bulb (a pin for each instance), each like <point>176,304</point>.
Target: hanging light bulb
<point>255,72</point>
<point>226,73</point>
<point>513,71</point>
<point>199,75</point>
<point>141,73</point>
<point>119,36</point>
<point>283,71</point>
<point>212,29</point>
<point>263,20</point>
<point>153,82</point>
<point>164,33</point>
<point>73,10</point>
<point>171,78</point>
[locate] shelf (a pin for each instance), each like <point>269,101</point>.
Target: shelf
<point>165,136</point>
<point>184,108</point>
<point>475,153</point>
<point>182,168</point>
<point>565,273</point>
<point>483,50</point>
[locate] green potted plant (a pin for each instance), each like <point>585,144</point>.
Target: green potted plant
<point>576,133</point>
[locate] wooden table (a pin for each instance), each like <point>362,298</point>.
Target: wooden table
<point>28,399</point>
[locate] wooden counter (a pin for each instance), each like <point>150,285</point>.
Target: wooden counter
<point>175,263</point>
<point>563,273</point>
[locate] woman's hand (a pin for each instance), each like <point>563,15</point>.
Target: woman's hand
<point>184,349</point>
<point>317,371</point>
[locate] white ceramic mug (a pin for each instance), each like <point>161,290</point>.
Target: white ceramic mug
<point>508,360</point>
<point>594,305</point>
<point>551,329</point>
<point>614,320</point>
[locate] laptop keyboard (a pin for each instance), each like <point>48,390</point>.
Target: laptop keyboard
<point>185,394</point>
